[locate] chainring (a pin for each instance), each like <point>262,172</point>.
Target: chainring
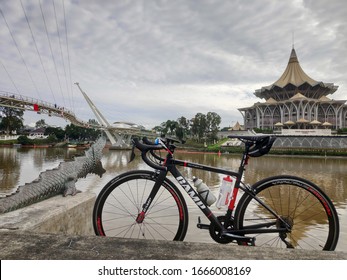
<point>215,232</point>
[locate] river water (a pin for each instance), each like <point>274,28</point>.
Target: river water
<point>22,165</point>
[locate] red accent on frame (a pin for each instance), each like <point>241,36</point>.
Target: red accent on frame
<point>140,217</point>
<point>233,199</point>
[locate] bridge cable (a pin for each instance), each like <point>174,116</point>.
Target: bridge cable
<point>61,52</point>
<point>68,56</point>
<point>8,74</point>
<point>20,53</point>
<point>38,53</point>
<point>50,46</point>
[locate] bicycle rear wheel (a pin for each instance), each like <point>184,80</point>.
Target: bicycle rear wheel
<point>121,200</point>
<point>301,204</point>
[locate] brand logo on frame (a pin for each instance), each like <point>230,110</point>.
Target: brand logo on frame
<point>190,191</point>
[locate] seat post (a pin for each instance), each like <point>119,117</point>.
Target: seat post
<point>245,157</point>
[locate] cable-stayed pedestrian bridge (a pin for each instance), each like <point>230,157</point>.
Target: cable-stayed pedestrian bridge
<point>119,133</point>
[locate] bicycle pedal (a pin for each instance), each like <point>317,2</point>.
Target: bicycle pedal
<point>202,226</point>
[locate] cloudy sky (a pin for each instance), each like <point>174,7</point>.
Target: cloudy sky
<point>150,61</point>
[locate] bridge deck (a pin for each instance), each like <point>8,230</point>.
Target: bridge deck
<point>25,103</point>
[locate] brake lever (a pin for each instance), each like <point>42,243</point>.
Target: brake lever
<point>132,155</point>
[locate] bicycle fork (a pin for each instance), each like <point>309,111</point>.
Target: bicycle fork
<point>158,182</point>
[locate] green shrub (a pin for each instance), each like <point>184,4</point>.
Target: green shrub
<point>24,140</point>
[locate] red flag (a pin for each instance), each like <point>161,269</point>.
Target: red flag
<point>36,107</point>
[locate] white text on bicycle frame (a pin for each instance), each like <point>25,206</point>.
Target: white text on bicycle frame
<point>190,192</point>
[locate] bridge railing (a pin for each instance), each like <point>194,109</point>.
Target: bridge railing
<point>31,101</point>
<point>28,103</point>
<point>22,102</point>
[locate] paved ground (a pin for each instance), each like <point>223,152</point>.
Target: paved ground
<point>26,245</point>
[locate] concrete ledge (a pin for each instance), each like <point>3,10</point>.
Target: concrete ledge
<point>61,228</point>
<point>28,245</point>
<point>67,215</point>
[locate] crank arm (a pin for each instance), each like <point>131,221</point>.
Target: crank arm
<point>239,237</point>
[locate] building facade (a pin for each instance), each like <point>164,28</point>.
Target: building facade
<point>297,101</point>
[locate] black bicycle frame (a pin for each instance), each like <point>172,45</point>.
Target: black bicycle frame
<point>170,164</point>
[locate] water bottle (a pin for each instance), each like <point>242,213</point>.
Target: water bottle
<point>225,190</point>
<point>204,191</point>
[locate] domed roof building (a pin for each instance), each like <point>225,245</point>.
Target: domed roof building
<point>296,100</point>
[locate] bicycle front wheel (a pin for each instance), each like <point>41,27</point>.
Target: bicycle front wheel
<point>121,200</point>
<point>308,211</point>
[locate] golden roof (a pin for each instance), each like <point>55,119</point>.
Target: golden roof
<point>294,74</point>
<point>294,79</point>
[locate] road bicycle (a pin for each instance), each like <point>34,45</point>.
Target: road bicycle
<point>281,211</point>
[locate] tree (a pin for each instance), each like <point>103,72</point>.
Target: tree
<point>213,121</point>
<point>198,126</point>
<point>172,128</point>
<point>56,132</point>
<point>202,127</point>
<point>167,127</point>
<point>74,132</point>
<point>40,123</point>
<point>24,140</point>
<point>12,119</point>
<point>81,133</point>
<point>158,129</point>
<point>184,123</point>
<point>205,127</point>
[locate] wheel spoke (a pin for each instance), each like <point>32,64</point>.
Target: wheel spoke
<point>121,201</point>
<point>300,204</point>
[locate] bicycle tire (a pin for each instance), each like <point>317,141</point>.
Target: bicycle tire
<point>120,201</point>
<point>314,220</point>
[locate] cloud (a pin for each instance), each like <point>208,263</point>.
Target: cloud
<point>150,61</point>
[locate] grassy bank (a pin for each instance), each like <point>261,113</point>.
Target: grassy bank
<point>32,142</point>
<point>190,145</point>
<point>8,142</point>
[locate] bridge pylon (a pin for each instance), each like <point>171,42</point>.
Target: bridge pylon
<point>119,137</point>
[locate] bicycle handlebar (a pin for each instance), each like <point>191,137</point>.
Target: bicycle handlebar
<point>149,147</point>
<point>156,156</point>
<point>146,147</point>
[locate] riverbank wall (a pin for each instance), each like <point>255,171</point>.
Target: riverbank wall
<point>60,228</point>
<point>58,214</point>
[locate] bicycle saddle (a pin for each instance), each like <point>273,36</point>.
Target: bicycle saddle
<point>259,145</point>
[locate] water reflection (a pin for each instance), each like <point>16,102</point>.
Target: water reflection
<point>9,168</point>
<point>20,166</point>
<point>23,165</point>
<point>330,174</point>
<point>297,207</point>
